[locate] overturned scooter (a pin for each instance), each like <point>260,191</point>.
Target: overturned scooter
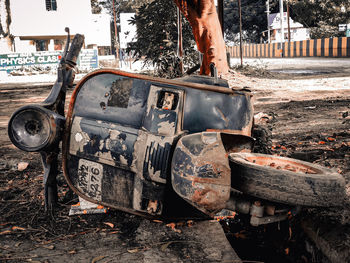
<point>164,148</point>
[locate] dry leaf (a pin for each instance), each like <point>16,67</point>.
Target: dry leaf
<point>18,244</point>
<point>51,247</point>
<point>157,221</point>
<point>94,260</point>
<point>109,224</point>
<point>287,251</point>
<point>135,250</point>
<point>240,235</point>
<point>190,223</point>
<point>72,252</point>
<point>5,232</point>
<point>165,246</point>
<point>22,166</point>
<point>172,226</point>
<point>18,228</point>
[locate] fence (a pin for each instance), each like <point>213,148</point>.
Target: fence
<point>325,47</point>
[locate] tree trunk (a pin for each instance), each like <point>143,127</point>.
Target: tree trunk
<point>207,32</point>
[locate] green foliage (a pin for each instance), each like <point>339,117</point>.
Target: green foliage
<point>122,6</point>
<point>95,7</point>
<point>157,35</point>
<point>321,16</point>
<point>254,20</point>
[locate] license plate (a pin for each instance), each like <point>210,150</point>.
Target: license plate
<point>90,179</point>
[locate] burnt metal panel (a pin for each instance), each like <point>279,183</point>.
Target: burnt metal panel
<point>160,121</point>
<point>202,178</point>
<point>205,110</point>
<point>157,158</point>
<point>113,98</point>
<point>116,186</point>
<point>205,80</point>
<point>123,129</point>
<point>103,142</point>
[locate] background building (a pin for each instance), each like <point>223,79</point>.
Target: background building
<point>298,31</point>
<point>38,25</point>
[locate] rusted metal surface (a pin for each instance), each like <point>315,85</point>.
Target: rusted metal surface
<point>282,164</point>
<point>125,126</point>
<point>192,85</point>
<point>123,131</point>
<point>201,173</point>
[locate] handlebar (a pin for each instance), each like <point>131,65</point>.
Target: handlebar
<point>74,49</point>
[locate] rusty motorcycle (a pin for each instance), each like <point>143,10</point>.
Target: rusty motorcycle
<point>164,148</point>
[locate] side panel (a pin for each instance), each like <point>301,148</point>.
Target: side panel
<point>200,171</point>
<point>120,144</point>
<point>206,111</point>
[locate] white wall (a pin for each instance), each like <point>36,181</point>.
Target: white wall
<point>100,30</point>
<point>31,19</point>
<point>127,32</point>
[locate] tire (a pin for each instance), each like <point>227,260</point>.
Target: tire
<point>286,180</point>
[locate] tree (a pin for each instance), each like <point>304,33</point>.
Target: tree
<point>5,21</point>
<point>321,16</point>
<point>95,7</point>
<point>122,6</point>
<point>254,20</point>
<point>157,38</point>
<point>207,33</point>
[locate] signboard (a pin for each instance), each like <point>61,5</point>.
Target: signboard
<point>14,61</point>
<point>87,59</point>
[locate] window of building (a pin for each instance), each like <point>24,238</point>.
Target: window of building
<point>51,5</point>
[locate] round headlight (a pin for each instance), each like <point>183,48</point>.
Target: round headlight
<point>32,128</point>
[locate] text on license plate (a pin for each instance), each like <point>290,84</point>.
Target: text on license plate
<point>90,179</point>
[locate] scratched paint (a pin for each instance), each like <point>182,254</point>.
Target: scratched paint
<point>133,139</point>
<point>201,175</point>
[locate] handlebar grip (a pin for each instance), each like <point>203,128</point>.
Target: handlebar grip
<point>75,48</point>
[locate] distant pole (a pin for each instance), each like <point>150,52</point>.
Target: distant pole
<point>221,14</point>
<point>281,20</point>
<point>179,40</point>
<point>115,31</point>
<point>288,15</point>
<point>268,15</point>
<point>240,32</point>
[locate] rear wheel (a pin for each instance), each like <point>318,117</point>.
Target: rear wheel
<point>286,180</point>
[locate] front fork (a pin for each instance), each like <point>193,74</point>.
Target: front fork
<point>55,102</point>
<point>50,165</point>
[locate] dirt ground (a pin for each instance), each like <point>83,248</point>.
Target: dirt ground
<point>309,120</point>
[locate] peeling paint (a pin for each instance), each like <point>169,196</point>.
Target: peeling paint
<point>113,134</point>
<point>78,137</point>
<point>133,139</point>
<point>203,178</point>
<point>165,127</point>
